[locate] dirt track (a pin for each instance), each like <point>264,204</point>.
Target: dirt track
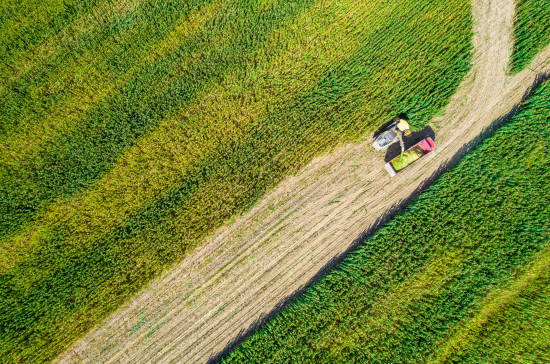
<point>244,270</point>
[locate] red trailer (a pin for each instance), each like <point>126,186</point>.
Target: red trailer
<point>409,156</point>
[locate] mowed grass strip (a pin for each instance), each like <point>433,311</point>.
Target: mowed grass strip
<point>214,178</point>
<point>428,272</point>
<point>531,31</point>
<point>75,160</point>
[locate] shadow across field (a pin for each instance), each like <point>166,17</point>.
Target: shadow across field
<point>394,210</point>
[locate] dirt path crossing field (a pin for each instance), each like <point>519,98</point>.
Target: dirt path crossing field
<point>245,269</point>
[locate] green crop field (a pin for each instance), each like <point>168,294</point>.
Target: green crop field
<point>461,275</point>
<point>531,31</point>
<point>131,129</point>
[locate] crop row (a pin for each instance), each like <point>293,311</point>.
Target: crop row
<point>531,31</point>
<point>512,321</point>
<point>428,283</point>
<point>195,137</point>
<point>96,119</point>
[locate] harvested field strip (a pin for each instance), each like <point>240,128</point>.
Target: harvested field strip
<point>406,289</point>
<point>511,320</point>
<point>326,80</point>
<point>74,160</point>
<point>531,31</point>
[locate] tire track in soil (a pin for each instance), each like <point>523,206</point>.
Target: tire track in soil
<point>244,270</point>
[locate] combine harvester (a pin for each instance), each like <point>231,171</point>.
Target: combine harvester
<point>395,132</point>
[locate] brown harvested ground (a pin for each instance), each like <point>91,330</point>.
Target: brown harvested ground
<point>246,268</point>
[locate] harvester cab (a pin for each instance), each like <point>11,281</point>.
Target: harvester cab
<point>395,132</point>
<point>392,134</point>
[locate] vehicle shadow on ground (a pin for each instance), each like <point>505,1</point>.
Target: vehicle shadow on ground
<point>395,149</point>
<point>390,213</point>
